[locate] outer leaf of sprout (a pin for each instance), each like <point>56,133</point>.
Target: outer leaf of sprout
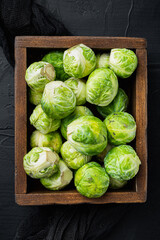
<point>52,139</point>
<point>78,112</point>
<point>58,100</point>
<point>91,180</point>
<point>41,162</point>
<point>56,59</point>
<point>87,135</point>
<point>121,128</point>
<point>72,157</point>
<point>42,122</point>
<point>122,163</point>
<point>78,87</point>
<point>79,61</point>
<point>58,180</point>
<point>119,104</point>
<point>38,74</point>
<point>101,87</point>
<point>123,62</point>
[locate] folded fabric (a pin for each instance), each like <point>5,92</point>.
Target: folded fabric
<point>71,222</point>
<point>22,18</point>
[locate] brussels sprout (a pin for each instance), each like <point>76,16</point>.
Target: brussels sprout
<point>35,97</point>
<point>58,100</point>
<point>42,122</point>
<point>58,180</point>
<point>79,61</point>
<point>91,180</point>
<point>52,139</point>
<point>78,112</point>
<point>38,74</point>
<point>122,162</point>
<point>121,128</point>
<point>40,162</point>
<point>72,157</point>
<point>78,87</point>
<point>116,183</point>
<point>56,59</point>
<point>119,104</point>
<point>88,135</point>
<point>101,87</point>
<point>102,60</point>
<point>100,157</point>
<point>123,62</point>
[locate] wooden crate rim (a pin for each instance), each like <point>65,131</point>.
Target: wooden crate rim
<point>53,41</point>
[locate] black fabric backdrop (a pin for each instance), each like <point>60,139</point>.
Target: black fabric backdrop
<point>134,18</point>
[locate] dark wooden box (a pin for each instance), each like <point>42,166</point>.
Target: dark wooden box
<point>29,49</point>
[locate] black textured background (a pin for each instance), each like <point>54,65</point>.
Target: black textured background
<point>134,18</point>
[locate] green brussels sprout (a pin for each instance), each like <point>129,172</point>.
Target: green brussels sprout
<point>100,157</point>
<point>58,180</point>
<point>102,60</point>
<point>91,180</point>
<point>78,112</point>
<point>116,183</point>
<point>121,128</point>
<point>41,162</point>
<point>122,163</point>
<point>35,97</point>
<point>56,59</point>
<point>119,104</point>
<point>58,100</point>
<point>123,62</point>
<point>88,135</point>
<point>72,157</point>
<point>101,87</point>
<point>38,74</point>
<point>79,61</point>
<point>78,87</point>
<point>42,122</point>
<point>52,139</point>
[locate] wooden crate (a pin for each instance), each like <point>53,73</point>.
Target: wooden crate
<point>29,49</point>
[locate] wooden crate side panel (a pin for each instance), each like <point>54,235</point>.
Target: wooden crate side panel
<point>75,198</point>
<point>93,42</point>
<point>141,119</point>
<point>20,120</point>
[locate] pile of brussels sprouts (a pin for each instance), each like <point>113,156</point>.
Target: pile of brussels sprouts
<point>69,139</point>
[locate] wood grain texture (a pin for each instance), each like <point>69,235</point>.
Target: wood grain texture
<point>73,197</point>
<point>93,42</point>
<point>20,120</point>
<point>139,108</point>
<point>141,119</point>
